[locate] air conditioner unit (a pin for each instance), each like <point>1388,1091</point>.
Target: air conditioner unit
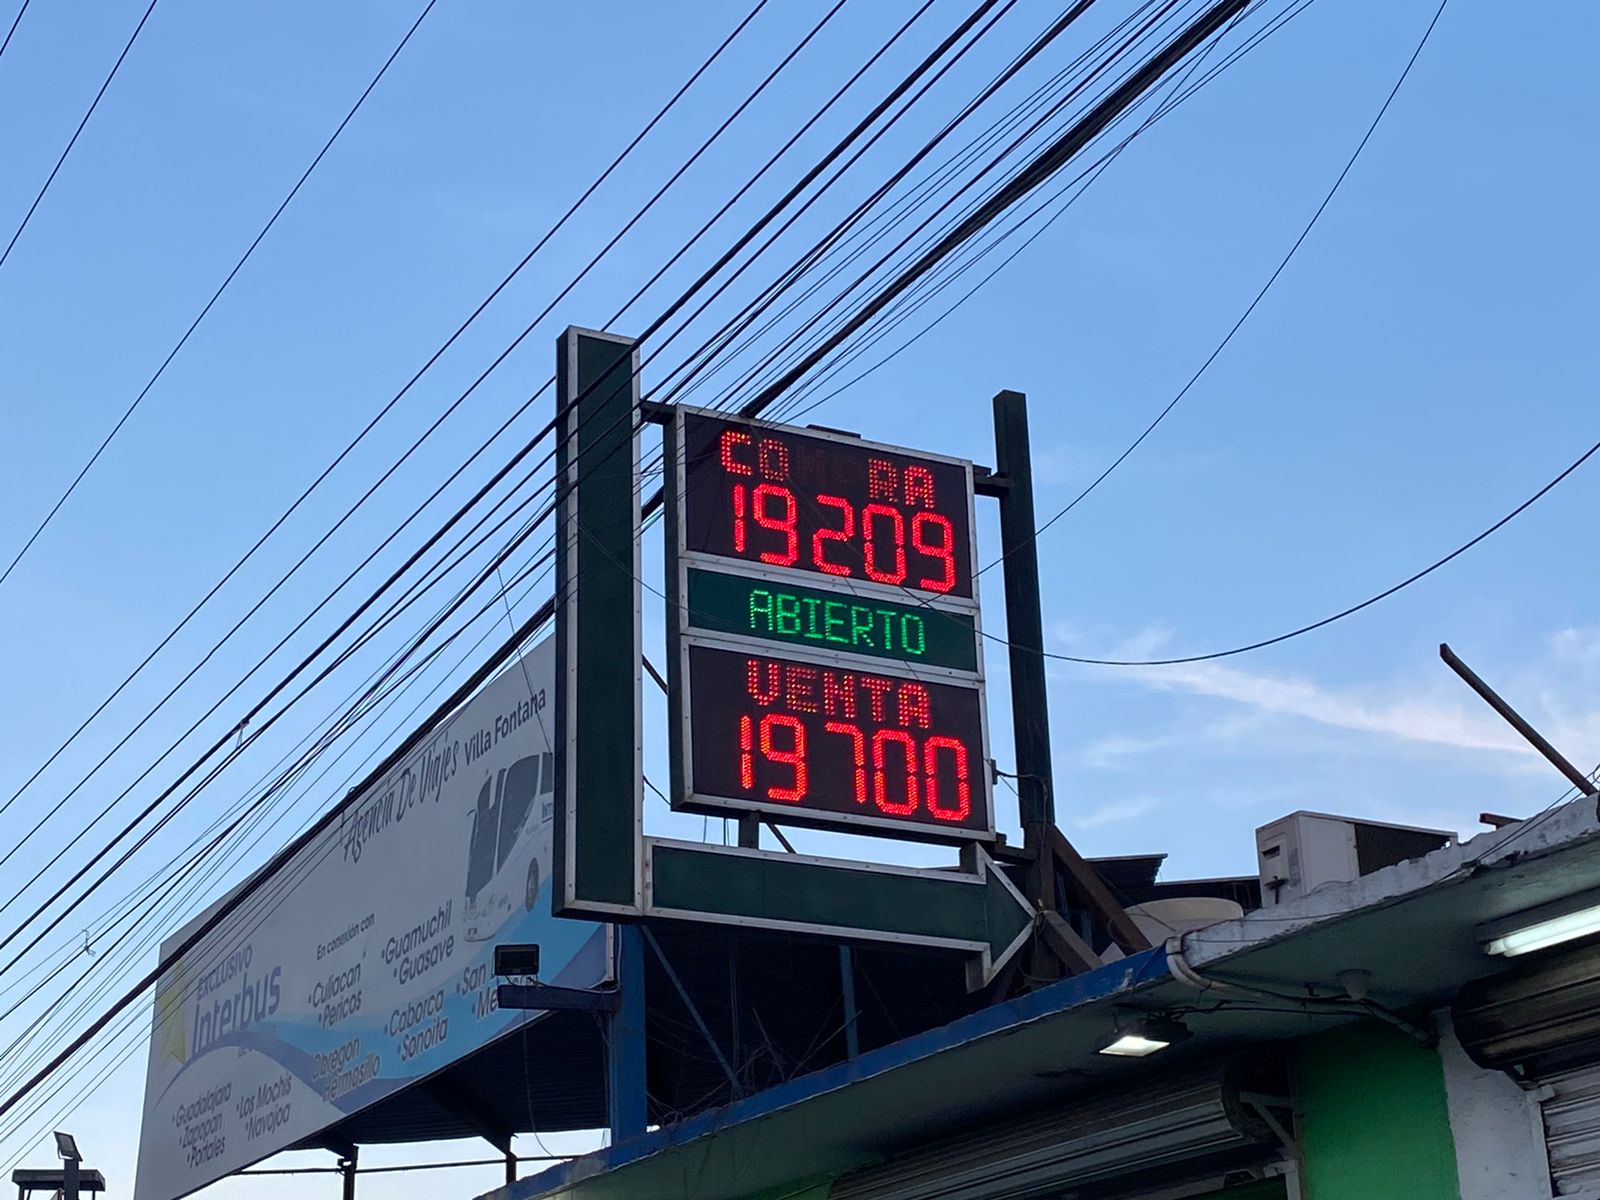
<point>1299,853</point>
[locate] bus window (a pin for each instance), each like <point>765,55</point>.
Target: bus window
<point>481,849</point>
<point>547,779</point>
<point>516,798</point>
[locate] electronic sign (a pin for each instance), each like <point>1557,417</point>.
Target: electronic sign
<point>781,735</point>
<point>824,662</point>
<point>776,496</point>
<point>822,620</point>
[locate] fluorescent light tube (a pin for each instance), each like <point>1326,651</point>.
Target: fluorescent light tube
<point>1550,932</point>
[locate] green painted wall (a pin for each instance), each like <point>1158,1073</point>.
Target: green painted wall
<point>1373,1121</point>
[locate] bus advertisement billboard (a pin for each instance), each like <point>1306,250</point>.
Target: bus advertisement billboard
<point>364,964</point>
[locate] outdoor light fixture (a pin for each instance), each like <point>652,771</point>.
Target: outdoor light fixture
<point>67,1147</point>
<point>1539,928</point>
<point>518,959</point>
<point>1139,1034</point>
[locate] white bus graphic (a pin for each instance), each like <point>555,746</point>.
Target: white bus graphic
<point>510,838</point>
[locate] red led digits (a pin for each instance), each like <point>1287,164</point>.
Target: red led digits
<point>791,501</point>
<point>794,757</point>
<point>908,760</point>
<point>845,742</point>
<point>846,531</point>
<point>761,509</point>
<point>738,518</point>
<point>858,751</point>
<point>930,768</point>
<point>943,550</point>
<point>874,551</point>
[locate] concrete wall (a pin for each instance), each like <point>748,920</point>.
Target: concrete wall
<point>1373,1119</point>
<point>1499,1133</point>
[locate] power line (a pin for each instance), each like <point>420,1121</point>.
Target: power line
<point>73,141</point>
<point>351,446</point>
<point>526,449</point>
<point>791,406</point>
<point>1260,295</point>
<point>216,295</point>
<point>1345,612</point>
<point>523,631</point>
<point>1355,608</point>
<point>15,22</point>
<point>507,648</point>
<point>326,643</point>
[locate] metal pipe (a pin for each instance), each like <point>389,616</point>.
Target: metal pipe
<point>1513,718</point>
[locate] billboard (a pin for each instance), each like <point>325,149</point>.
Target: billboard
<point>824,655</point>
<point>365,963</point>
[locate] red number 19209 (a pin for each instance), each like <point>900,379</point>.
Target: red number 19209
<point>881,528</point>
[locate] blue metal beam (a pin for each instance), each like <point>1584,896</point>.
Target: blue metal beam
<point>625,1046</point>
<point>1133,973</point>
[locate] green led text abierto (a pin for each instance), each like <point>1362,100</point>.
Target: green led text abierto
<point>852,625</point>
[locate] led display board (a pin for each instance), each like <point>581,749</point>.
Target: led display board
<point>824,657</point>
<point>804,500</point>
<point>789,736</point>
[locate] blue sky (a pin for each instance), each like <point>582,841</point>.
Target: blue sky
<point>1423,365</point>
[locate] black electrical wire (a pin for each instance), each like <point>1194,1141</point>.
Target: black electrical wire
<point>1352,609</point>
<point>1260,295</point>
<point>527,626</point>
<point>17,20</point>
<point>906,208</point>
<point>828,243</point>
<point>772,393</point>
<point>382,412</point>
<point>282,883</point>
<point>471,503</point>
<point>750,375</point>
<point>73,141</point>
<point>289,884</point>
<point>215,296</point>
<point>1041,168</point>
<point>792,409</point>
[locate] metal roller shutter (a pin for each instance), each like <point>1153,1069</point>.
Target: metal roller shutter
<point>1543,1023</point>
<point>1167,1127</point>
<point>1570,1101</point>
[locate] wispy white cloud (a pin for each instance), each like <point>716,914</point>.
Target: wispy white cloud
<point>1114,813</point>
<point>1559,692</point>
<point>1413,718</point>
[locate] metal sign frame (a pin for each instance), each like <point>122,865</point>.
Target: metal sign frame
<point>1001,919</point>
<point>682,636</point>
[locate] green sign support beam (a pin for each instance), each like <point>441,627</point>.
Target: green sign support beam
<point>599,645</point>
<point>977,910</point>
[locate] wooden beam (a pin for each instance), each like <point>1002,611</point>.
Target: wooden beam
<point>1090,890</point>
<point>1075,953</point>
